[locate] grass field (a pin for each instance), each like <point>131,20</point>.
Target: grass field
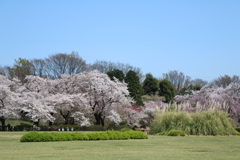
<point>154,148</point>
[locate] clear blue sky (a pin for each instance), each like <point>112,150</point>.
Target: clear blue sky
<point>200,38</point>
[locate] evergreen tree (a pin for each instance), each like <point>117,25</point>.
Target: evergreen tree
<point>134,87</point>
<point>21,69</point>
<point>150,85</point>
<point>187,90</point>
<point>117,74</point>
<point>167,90</point>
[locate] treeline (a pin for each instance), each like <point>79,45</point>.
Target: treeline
<point>57,64</point>
<point>170,84</point>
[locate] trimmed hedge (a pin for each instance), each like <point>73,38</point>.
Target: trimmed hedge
<point>22,127</point>
<point>237,129</point>
<point>236,132</point>
<point>137,134</point>
<point>107,135</point>
<point>176,133</point>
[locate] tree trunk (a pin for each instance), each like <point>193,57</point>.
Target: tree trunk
<point>66,121</point>
<point>3,124</point>
<point>66,117</point>
<point>99,119</point>
<point>37,123</point>
<point>102,122</point>
<point>50,123</point>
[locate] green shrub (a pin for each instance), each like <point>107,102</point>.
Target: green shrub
<point>93,136</point>
<point>45,137</point>
<point>237,129</point>
<point>69,136</point>
<point>125,129</point>
<point>116,135</point>
<point>103,136</point>
<point>235,132</point>
<point>31,137</point>
<point>78,136</point>
<point>137,134</point>
<point>176,133</point>
<point>112,135</point>
<point>23,127</point>
<point>63,136</point>
<point>56,136</point>
<point>98,136</point>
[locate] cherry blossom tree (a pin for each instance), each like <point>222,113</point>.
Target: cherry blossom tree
<point>85,96</point>
<point>9,101</point>
<point>35,92</point>
<point>133,116</point>
<point>221,97</point>
<point>71,105</point>
<point>103,95</point>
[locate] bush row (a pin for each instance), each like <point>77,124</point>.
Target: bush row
<point>70,136</point>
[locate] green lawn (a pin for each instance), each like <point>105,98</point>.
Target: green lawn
<point>154,148</point>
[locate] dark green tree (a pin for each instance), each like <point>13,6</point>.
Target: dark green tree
<point>187,90</point>
<point>117,74</point>
<point>167,90</point>
<point>134,87</point>
<point>150,84</point>
<point>21,69</point>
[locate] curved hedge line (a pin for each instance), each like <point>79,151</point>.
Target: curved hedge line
<point>107,135</point>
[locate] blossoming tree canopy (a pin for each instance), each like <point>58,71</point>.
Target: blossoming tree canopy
<point>85,96</point>
<point>9,101</point>
<point>71,105</point>
<point>35,92</point>
<point>103,95</point>
<point>229,96</point>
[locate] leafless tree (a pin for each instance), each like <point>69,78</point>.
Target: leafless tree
<point>178,79</point>
<point>199,82</point>
<point>39,67</point>
<point>106,66</point>
<point>224,81</point>
<point>5,70</point>
<point>63,63</point>
<point>75,63</point>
